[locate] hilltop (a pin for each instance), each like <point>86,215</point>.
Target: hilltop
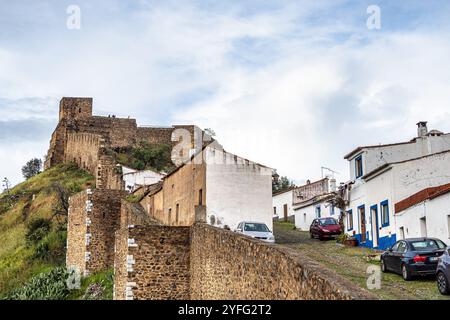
<point>33,235</point>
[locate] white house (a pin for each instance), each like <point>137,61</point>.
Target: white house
<point>425,214</point>
<point>311,201</point>
<point>317,207</point>
<point>282,205</point>
<point>135,179</point>
<point>384,175</point>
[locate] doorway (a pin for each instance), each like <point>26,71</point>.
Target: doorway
<point>362,221</point>
<point>423,227</point>
<point>374,218</point>
<point>285,211</point>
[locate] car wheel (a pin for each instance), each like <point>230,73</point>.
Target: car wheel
<point>442,284</point>
<point>383,266</point>
<point>406,274</point>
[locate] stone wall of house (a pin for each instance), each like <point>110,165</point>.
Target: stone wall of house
<point>152,263</point>
<point>94,217</point>
<point>225,265</point>
<point>175,204</point>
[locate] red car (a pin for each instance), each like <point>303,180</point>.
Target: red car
<point>325,228</point>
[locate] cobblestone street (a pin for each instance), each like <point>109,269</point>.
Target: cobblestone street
<point>351,262</point>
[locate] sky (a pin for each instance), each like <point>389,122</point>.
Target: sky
<point>294,85</point>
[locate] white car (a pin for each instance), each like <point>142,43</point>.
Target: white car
<point>256,230</point>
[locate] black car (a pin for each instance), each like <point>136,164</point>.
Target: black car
<point>412,257</point>
<point>443,273</point>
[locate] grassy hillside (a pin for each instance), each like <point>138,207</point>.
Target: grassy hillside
<point>33,234</point>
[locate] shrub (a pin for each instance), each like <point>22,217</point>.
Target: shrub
<point>52,248</point>
<point>37,230</point>
<point>45,286</point>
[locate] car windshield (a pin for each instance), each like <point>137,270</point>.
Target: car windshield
<point>327,222</point>
<point>258,227</point>
<point>425,245</point>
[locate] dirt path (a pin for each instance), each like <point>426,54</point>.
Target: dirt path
<point>352,264</point>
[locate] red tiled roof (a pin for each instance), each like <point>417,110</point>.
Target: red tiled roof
<point>425,194</point>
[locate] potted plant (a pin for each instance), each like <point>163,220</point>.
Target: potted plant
<point>347,240</point>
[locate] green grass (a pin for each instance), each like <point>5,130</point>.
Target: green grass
<point>33,199</point>
<point>104,279</point>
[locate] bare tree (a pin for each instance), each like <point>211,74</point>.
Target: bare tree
<point>61,208</point>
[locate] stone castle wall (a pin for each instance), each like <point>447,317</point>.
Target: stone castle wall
<point>152,263</point>
<point>225,265</point>
<point>94,217</point>
<point>202,262</point>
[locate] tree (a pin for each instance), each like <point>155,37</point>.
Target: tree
<point>281,184</point>
<point>32,168</point>
<point>61,208</point>
<point>339,201</point>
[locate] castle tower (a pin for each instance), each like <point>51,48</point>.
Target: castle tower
<point>75,108</point>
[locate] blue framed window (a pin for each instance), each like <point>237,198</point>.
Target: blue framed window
<point>384,209</point>
<point>318,212</point>
<point>331,210</point>
<point>358,167</point>
<point>349,220</point>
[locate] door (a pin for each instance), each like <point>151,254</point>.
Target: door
<point>374,218</point>
<point>389,257</point>
<point>362,221</point>
<point>397,257</point>
<point>285,210</point>
<point>423,227</point>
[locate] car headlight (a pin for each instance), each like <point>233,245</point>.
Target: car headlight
<point>271,238</point>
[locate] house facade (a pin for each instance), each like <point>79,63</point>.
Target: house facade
<point>311,201</point>
<point>135,178</point>
<point>425,214</point>
<point>282,205</point>
<point>384,175</point>
<point>215,187</point>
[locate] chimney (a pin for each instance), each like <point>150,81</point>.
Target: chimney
<point>422,129</point>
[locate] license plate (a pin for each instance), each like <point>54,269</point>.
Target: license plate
<point>433,259</point>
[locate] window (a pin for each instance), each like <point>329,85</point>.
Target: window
<point>200,197</point>
<point>395,246</point>
<point>318,212</point>
<point>177,212</point>
<point>274,211</point>
<point>304,217</point>
<point>358,167</point>
<point>384,206</point>
<point>402,232</point>
<point>402,247</point>
<point>349,220</point>
<point>332,210</point>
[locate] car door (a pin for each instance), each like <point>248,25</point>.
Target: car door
<point>398,256</point>
<point>313,228</point>
<point>389,256</point>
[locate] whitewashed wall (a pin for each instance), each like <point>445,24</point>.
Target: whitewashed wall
<point>134,178</point>
<point>237,191</point>
<point>377,156</point>
<point>437,214</point>
<point>278,202</point>
<point>305,216</point>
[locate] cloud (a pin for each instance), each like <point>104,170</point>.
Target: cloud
<point>293,85</point>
